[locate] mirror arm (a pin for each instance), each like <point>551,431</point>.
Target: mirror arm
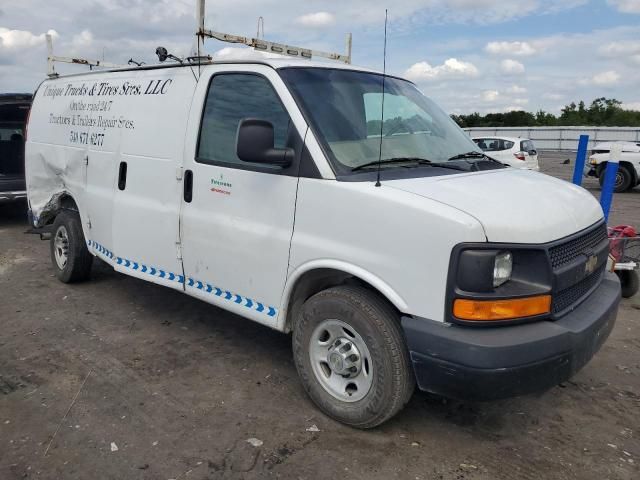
<point>280,156</point>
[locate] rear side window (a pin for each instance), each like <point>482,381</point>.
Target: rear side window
<point>496,144</point>
<point>10,133</point>
<point>230,99</point>
<point>482,143</point>
<point>527,146</point>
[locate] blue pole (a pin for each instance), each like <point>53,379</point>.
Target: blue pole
<point>606,196</point>
<point>581,158</point>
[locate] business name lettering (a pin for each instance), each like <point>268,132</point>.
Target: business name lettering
<point>108,89</point>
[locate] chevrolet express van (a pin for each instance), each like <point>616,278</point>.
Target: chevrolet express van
<point>387,245</point>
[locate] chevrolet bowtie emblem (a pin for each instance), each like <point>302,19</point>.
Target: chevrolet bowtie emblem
<point>590,266</point>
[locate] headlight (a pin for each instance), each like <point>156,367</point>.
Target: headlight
<point>498,282</point>
<point>502,268</point>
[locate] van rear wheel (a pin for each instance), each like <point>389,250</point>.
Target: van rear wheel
<point>69,254</point>
<point>351,356</point>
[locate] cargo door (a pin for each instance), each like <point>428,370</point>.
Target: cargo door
<point>150,121</point>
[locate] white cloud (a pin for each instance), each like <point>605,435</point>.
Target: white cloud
<point>451,68</point>
<point>626,6</point>
<point>553,96</point>
<point>609,77</point>
<point>631,106</point>
<point>83,39</point>
<point>511,67</point>
<point>490,96</point>
<point>519,49</point>
<point>620,49</point>
<point>516,89</point>
<point>318,19</point>
<point>19,39</point>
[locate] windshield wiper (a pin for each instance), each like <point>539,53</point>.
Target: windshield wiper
<point>418,160</point>
<point>389,161</point>
<point>462,156</point>
<point>478,155</point>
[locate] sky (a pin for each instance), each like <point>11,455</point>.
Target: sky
<point>468,55</point>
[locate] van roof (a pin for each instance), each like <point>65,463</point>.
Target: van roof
<point>257,58</point>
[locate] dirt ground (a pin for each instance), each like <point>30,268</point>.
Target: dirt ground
<point>121,379</point>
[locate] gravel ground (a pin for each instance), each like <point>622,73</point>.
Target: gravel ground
<point>121,379</point>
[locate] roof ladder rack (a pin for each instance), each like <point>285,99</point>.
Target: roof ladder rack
<point>51,59</point>
<point>264,45</point>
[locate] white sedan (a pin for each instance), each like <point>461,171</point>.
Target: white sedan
<point>515,152</point>
<point>628,175</point>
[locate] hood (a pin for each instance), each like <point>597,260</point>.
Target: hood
<point>626,146</point>
<point>516,206</point>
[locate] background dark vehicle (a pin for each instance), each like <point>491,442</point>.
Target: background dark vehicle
<point>14,109</point>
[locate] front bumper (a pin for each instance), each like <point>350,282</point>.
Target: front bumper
<point>470,363</point>
<point>12,196</point>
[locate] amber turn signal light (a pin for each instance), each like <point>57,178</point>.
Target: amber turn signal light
<point>492,310</point>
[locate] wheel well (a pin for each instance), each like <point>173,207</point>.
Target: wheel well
<point>634,174</point>
<point>315,281</point>
<point>59,202</point>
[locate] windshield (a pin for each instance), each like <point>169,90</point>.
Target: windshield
<point>345,110</point>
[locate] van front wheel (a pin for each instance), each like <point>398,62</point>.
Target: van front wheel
<point>69,254</point>
<point>350,353</point>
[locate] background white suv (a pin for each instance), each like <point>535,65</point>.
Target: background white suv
<point>516,152</point>
<point>628,175</point>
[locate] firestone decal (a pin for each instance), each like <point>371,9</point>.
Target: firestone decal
<point>221,186</point>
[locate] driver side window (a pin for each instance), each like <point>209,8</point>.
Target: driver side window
<point>231,98</point>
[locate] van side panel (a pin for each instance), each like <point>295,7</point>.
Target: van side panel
<point>148,182</point>
<point>81,129</point>
<point>396,241</point>
<point>53,164</point>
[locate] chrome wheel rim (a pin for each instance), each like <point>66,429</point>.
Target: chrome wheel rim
<point>61,247</point>
<point>341,361</point>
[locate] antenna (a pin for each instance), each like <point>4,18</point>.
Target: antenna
<point>384,77</point>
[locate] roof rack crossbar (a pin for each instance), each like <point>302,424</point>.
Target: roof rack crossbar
<point>267,46</point>
<point>52,59</point>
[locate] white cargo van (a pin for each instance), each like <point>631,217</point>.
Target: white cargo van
<point>254,186</point>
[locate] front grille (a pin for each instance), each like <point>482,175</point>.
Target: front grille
<point>572,295</point>
<point>569,251</point>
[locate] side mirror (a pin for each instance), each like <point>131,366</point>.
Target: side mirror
<point>255,144</point>
<point>532,152</point>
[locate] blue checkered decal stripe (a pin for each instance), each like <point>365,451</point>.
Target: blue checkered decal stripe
<point>232,297</point>
<point>219,292</point>
<point>153,271</point>
<point>100,250</point>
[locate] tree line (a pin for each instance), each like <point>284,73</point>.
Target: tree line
<point>603,112</point>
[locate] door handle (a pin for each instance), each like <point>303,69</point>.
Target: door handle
<point>122,176</point>
<point>188,186</point>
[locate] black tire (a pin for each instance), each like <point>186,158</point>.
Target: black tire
<point>377,324</point>
<point>624,178</point>
<point>77,267</point>
<point>630,282</point>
